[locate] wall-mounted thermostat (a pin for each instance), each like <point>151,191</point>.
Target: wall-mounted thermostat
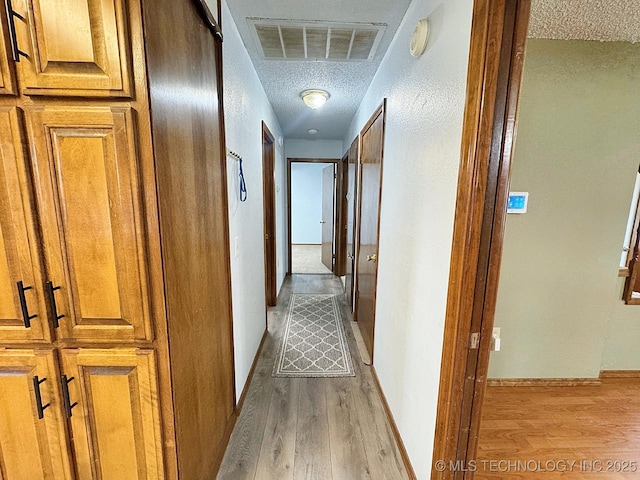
<point>518,202</point>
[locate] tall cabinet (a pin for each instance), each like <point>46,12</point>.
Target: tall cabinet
<point>116,351</point>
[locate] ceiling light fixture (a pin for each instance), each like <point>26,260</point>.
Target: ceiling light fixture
<point>312,131</point>
<point>314,99</point>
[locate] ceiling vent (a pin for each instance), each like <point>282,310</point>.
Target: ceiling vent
<point>317,41</point>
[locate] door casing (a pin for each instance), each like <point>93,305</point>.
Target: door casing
<point>498,39</point>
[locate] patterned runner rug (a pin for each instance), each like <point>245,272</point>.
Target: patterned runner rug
<point>314,343</point>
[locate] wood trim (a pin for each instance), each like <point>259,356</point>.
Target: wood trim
<point>394,428</point>
<point>606,374</point>
<point>252,370</point>
<point>498,36</point>
<point>543,382</point>
<point>623,272</point>
<point>289,162</point>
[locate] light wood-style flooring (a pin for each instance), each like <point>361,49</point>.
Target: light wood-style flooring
<point>311,428</point>
<point>588,425</point>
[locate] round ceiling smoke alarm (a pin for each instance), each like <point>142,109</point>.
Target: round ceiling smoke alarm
<point>419,38</point>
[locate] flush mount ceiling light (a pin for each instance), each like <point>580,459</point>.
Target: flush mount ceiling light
<point>312,131</point>
<point>314,99</point>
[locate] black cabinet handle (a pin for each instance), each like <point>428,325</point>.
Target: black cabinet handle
<point>65,395</point>
<point>11,14</point>
<point>23,304</point>
<point>36,387</point>
<point>52,302</point>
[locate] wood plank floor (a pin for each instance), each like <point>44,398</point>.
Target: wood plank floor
<point>588,425</point>
<point>311,428</point>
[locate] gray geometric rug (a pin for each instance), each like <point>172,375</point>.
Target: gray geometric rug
<point>314,343</point>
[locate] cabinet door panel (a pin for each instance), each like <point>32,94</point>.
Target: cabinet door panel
<point>91,215</point>
<point>73,47</point>
<point>31,448</point>
<point>116,424</point>
<point>19,259</point>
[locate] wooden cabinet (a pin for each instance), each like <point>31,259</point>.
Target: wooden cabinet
<point>72,47</point>
<point>32,441</point>
<point>114,243</point>
<point>89,201</point>
<point>115,425</point>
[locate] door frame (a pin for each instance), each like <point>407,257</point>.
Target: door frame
<point>498,39</point>
<point>269,215</point>
<point>335,161</point>
<point>355,144</point>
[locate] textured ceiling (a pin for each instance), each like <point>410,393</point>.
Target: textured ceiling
<point>346,82</point>
<point>603,20</point>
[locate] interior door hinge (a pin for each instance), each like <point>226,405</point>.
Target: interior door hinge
<point>474,341</point>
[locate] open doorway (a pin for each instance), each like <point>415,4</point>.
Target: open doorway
<point>313,219</point>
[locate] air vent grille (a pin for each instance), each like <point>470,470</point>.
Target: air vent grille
<point>310,40</point>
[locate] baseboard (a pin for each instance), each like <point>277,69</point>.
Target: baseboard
<point>394,428</point>
<point>542,382</point>
<point>604,374</point>
<point>243,395</point>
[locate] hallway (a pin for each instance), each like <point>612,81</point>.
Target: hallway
<point>311,428</point>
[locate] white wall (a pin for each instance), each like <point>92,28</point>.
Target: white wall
<point>296,148</point>
<point>246,106</point>
<point>421,159</point>
<point>306,202</point>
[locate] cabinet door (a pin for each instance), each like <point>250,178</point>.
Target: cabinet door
<point>89,202</point>
<point>116,424</point>
<point>31,448</point>
<point>19,261</point>
<point>7,72</point>
<point>73,47</point>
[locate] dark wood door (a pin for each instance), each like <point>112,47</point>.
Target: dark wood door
<point>328,209</point>
<point>352,176</point>
<point>370,194</point>
<point>269,189</point>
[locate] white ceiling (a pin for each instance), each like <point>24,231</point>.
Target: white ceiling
<point>346,82</point>
<point>602,20</point>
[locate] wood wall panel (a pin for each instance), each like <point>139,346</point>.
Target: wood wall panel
<point>90,210</point>
<point>191,180</point>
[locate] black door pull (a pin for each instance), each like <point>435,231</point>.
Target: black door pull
<point>36,387</point>
<point>55,318</point>
<point>68,406</point>
<point>23,304</point>
<point>16,53</point>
